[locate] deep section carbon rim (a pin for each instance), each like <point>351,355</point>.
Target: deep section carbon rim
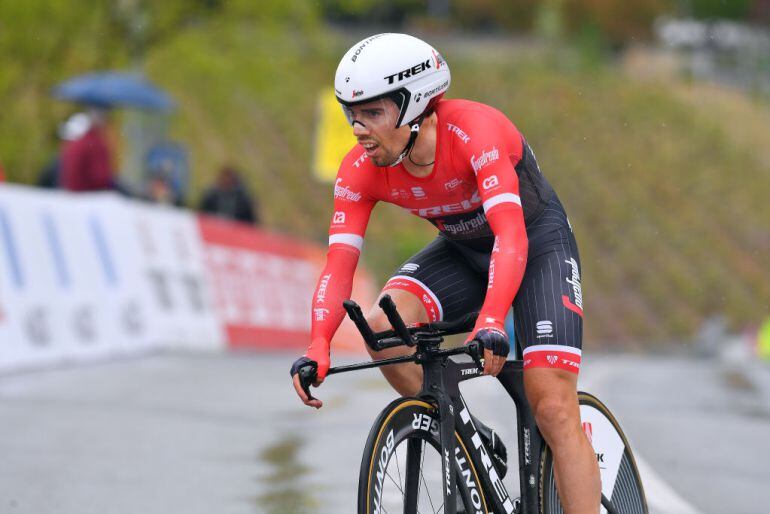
<point>401,471</point>
<point>621,483</point>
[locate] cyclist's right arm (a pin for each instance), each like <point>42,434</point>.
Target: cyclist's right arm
<point>352,208</point>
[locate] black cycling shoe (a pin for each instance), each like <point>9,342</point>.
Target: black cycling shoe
<point>493,442</point>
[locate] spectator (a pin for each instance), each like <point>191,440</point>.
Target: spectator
<point>86,162</point>
<point>229,198</point>
<point>70,130</point>
<point>158,187</point>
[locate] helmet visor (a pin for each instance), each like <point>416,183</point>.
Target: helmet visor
<point>377,114</point>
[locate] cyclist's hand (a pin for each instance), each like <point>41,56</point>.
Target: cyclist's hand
<point>299,364</point>
<point>496,348</point>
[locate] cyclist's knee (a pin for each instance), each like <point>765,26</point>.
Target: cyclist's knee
<point>553,413</point>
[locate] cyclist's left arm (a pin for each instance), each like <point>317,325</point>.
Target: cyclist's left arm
<point>493,159</point>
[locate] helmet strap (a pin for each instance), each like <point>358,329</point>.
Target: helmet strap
<point>415,131</point>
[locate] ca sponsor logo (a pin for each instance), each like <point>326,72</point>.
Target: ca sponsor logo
<point>344,192</point>
<point>357,93</point>
<point>490,182</point>
<point>320,314</point>
<point>338,218</point>
<point>485,159</point>
<point>458,132</point>
<point>409,72</point>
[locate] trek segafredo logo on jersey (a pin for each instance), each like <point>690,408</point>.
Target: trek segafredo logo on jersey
<point>450,208</point>
<point>344,192</point>
<point>486,158</point>
<point>458,132</point>
<point>574,281</point>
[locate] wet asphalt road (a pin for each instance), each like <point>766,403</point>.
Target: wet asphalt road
<point>224,434</point>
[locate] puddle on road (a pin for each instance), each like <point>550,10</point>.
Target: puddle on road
<point>286,495</point>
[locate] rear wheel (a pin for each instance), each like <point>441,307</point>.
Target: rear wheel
<point>621,484</point>
<point>401,467</point>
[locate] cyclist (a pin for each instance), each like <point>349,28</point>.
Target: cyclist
<point>504,238</point>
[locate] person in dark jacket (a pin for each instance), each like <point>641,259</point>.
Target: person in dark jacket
<point>229,198</point>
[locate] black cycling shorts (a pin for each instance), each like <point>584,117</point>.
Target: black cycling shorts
<point>451,280</point>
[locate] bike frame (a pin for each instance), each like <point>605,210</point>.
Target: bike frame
<point>441,385</point>
<point>441,379</point>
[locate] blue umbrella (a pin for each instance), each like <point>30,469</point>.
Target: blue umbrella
<point>114,89</point>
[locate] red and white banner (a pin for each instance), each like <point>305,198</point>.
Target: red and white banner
<point>263,285</point>
<point>90,276</point>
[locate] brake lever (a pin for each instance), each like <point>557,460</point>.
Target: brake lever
<point>307,375</point>
<point>475,351</point>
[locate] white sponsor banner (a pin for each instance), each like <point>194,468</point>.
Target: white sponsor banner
<point>95,275</point>
<point>171,262</point>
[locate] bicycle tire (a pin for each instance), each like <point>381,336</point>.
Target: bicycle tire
<point>415,422</point>
<point>621,482</point>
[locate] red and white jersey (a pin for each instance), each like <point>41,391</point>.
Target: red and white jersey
<point>484,184</point>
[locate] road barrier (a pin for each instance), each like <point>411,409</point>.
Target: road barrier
<point>94,276</point>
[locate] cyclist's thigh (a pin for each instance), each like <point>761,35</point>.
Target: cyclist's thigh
<point>443,281</point>
<point>548,307</point>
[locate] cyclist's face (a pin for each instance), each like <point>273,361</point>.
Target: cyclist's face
<point>374,127</point>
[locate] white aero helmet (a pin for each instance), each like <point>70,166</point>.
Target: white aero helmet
<point>399,66</point>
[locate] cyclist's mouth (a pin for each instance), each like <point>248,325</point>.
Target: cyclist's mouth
<point>371,148</point>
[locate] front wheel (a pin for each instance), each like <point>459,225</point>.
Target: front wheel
<point>401,466</point>
<point>621,484</point>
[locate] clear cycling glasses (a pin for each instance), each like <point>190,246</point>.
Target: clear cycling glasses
<point>377,114</point>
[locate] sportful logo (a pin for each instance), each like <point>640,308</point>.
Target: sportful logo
<point>459,133</point>
<point>418,193</point>
<point>344,192</point>
<point>544,328</point>
<point>484,159</point>
<point>409,72</point>
<point>410,267</point>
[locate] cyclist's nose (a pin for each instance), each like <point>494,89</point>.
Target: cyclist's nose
<point>359,129</point>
